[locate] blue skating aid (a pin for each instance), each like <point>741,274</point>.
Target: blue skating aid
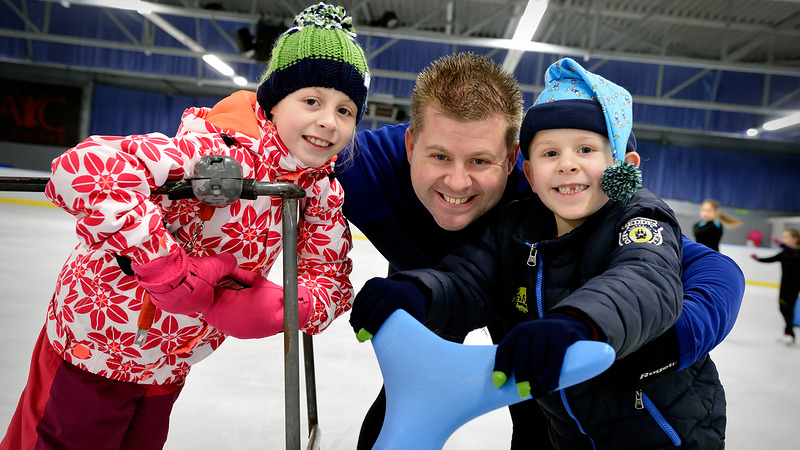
<point>434,386</point>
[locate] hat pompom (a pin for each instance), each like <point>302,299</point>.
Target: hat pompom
<point>325,16</point>
<point>621,181</point>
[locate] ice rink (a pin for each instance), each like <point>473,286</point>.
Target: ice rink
<point>234,398</point>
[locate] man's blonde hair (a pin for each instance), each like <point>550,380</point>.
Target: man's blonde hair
<point>467,87</point>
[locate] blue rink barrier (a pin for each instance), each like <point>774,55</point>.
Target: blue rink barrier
<point>434,386</point>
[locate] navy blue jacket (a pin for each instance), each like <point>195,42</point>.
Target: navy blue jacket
<point>621,270</point>
<point>380,201</point>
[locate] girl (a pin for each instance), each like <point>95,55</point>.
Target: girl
<point>708,231</point>
<point>789,258</point>
<point>136,304</point>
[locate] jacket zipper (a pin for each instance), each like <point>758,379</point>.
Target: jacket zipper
<point>534,261</point>
<point>565,402</point>
<point>643,402</point>
<point>532,255</point>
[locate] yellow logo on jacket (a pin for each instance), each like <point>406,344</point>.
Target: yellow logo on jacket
<point>521,299</point>
<point>641,230</point>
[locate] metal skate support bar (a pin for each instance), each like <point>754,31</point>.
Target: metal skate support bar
<point>291,360</point>
<point>23,184</point>
<point>314,432</point>
<point>291,348</point>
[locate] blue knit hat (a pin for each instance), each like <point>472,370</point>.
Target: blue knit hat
<point>319,50</point>
<point>576,98</point>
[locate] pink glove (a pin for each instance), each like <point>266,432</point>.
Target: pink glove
<point>181,284</point>
<point>255,311</point>
<point>754,256</point>
<point>777,241</point>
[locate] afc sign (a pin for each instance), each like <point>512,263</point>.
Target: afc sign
<point>41,114</point>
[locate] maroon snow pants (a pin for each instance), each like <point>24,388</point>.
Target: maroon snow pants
<point>63,406</point>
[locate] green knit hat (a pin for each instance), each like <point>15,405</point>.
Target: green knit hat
<point>319,50</point>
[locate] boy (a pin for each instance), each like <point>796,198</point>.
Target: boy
<point>594,257</point>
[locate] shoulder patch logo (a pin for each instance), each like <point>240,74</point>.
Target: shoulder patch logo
<point>521,299</point>
<point>641,230</point>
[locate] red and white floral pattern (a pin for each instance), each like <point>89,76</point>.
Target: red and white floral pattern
<point>106,183</point>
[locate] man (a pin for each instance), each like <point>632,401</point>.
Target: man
<point>418,191</point>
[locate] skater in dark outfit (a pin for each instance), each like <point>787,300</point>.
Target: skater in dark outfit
<point>789,257</point>
<point>708,231</point>
<point>572,265</point>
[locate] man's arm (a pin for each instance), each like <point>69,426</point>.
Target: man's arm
<point>713,287</point>
<point>374,175</point>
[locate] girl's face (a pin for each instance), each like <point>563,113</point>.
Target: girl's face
<point>788,239</point>
<point>707,212</point>
<point>564,168</point>
<point>315,123</point>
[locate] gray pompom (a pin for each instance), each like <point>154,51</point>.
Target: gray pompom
<point>622,181</point>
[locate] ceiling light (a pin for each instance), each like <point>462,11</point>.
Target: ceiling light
<point>526,28</point>
<point>783,122</point>
<point>240,81</point>
<point>752,132</point>
<point>529,21</point>
<point>218,65</point>
<point>133,5</point>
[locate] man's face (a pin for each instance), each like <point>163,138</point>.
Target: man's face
<point>459,169</point>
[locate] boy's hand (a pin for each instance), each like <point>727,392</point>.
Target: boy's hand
<point>181,284</point>
<point>534,352</point>
<point>378,299</point>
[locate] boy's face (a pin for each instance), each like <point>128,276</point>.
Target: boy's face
<point>315,123</point>
<point>564,168</point>
<point>459,169</point>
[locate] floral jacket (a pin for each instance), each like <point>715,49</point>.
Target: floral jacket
<point>106,183</point>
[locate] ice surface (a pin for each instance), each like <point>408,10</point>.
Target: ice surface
<point>234,398</point>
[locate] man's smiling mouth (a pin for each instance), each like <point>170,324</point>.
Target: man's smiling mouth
<point>456,200</point>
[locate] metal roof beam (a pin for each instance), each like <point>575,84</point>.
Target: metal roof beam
<point>412,34</point>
